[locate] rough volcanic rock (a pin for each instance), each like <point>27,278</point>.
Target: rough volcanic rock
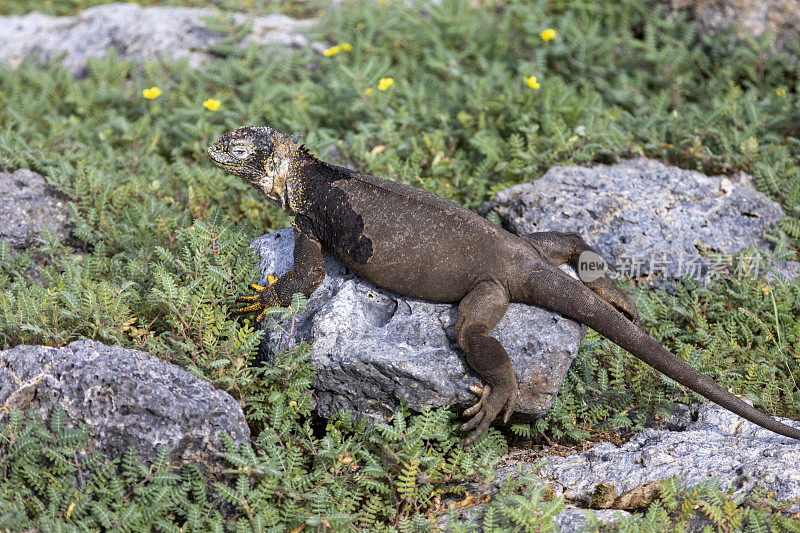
<point>787,271</point>
<point>751,17</point>
<point>135,32</point>
<point>27,206</point>
<point>718,445</point>
<point>650,222</point>
<point>127,398</point>
<point>572,519</point>
<point>373,348</point>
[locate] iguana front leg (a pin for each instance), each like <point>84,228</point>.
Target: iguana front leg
<point>558,248</point>
<point>478,313</point>
<point>306,275</point>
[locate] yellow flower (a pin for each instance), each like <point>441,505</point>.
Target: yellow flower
<point>780,92</point>
<point>532,83</point>
<point>368,91</point>
<point>385,83</point>
<point>333,50</point>
<point>548,34</point>
<point>151,93</point>
<point>293,404</point>
<point>211,104</point>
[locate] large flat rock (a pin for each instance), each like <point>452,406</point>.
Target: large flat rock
<point>651,222</point>
<point>135,32</point>
<point>717,446</point>
<point>127,398</point>
<point>373,349</point>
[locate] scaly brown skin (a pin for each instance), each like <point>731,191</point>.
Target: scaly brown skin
<point>421,245</point>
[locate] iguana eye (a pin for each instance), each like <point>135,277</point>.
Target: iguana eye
<point>240,152</point>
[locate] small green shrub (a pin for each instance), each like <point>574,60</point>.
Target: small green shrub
<point>354,477</point>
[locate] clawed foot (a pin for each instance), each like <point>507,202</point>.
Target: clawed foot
<point>621,301</point>
<point>628,309</point>
<point>254,303</point>
<point>491,403</point>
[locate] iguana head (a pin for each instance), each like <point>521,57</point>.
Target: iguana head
<point>259,155</point>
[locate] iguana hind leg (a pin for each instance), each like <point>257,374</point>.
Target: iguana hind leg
<point>558,248</point>
<point>479,311</point>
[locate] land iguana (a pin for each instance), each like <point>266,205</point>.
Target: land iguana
<point>418,244</point>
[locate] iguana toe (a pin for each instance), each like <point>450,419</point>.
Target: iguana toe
<point>247,308</point>
<point>493,401</point>
<point>257,303</point>
<point>628,308</point>
<point>483,392</point>
<point>472,422</point>
<point>512,403</point>
<point>613,295</point>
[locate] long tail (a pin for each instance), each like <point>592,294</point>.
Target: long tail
<point>557,291</point>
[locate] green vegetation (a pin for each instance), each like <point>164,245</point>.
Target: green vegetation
<point>357,477</point>
<point>296,8</point>
<point>387,477</point>
<point>165,236</point>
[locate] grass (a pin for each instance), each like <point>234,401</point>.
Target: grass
<point>165,234</point>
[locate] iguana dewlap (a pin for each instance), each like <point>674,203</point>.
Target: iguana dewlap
<point>418,244</point>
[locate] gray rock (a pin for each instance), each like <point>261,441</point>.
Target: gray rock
<point>27,206</point>
<point>570,520</point>
<point>573,519</point>
<point>786,271</point>
<point>718,445</point>
<point>750,17</point>
<point>127,398</point>
<point>373,348</point>
<point>681,417</point>
<point>134,32</point>
<point>648,221</point>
